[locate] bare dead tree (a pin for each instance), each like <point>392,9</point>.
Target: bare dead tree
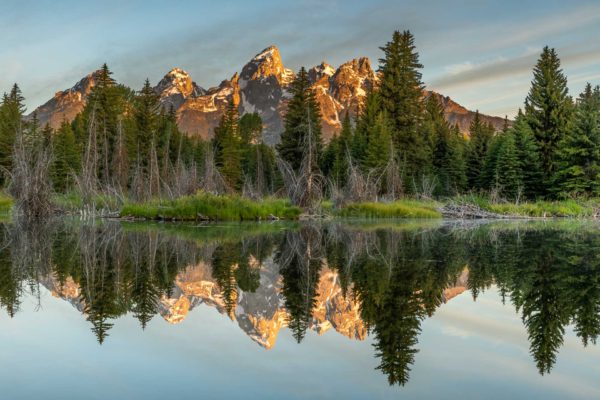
<point>87,181</point>
<point>30,183</point>
<point>305,187</point>
<point>212,181</point>
<point>393,177</point>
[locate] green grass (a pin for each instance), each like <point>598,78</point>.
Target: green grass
<point>72,201</point>
<point>537,209</point>
<point>396,209</point>
<point>564,208</point>
<point>6,203</point>
<point>216,208</point>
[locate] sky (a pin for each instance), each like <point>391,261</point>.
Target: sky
<point>480,53</point>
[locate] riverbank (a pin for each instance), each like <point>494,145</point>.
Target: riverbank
<point>208,207</point>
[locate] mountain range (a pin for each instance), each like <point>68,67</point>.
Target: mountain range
<point>262,86</point>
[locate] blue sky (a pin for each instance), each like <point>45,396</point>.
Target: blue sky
<point>478,52</point>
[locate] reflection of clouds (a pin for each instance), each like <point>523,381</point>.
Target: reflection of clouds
<point>492,331</point>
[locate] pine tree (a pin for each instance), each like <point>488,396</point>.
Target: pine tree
<point>578,154</point>
<point>446,148</point>
<point>11,117</point>
<point>480,137</point>
<point>529,157</point>
<point>366,120</point>
<point>401,92</point>
<point>302,113</point>
<point>104,112</point>
<point>379,143</point>
<point>146,122</point>
<point>548,109</point>
<point>67,160</point>
<point>508,173</point>
<point>342,147</point>
<point>227,142</point>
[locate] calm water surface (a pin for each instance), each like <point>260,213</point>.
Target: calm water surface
<point>415,310</point>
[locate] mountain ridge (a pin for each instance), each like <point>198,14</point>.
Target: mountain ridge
<point>262,87</point>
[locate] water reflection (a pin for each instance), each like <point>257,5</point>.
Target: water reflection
<point>359,280</point>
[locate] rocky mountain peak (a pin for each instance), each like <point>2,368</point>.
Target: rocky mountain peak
<point>176,86</point>
<point>317,72</point>
<point>66,104</point>
<point>264,65</point>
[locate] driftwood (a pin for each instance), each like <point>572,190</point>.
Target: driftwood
<point>469,211</point>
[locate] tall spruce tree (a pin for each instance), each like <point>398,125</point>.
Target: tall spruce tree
<point>342,148</point>
<point>366,120</point>
<point>379,143</point>
<point>578,153</point>
<point>447,149</point>
<point>146,122</point>
<point>227,144</point>
<point>508,173</point>
<point>12,111</point>
<point>102,118</point>
<point>528,155</point>
<point>548,109</point>
<point>303,115</point>
<point>401,92</point>
<point>480,136</point>
<point>67,160</point>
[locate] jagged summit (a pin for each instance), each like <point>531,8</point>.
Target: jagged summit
<point>319,71</point>
<point>176,86</point>
<point>66,104</point>
<point>266,64</point>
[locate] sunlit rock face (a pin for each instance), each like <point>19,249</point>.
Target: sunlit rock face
<point>66,104</point>
<point>263,86</point>
<point>459,286</point>
<point>199,115</point>
<point>176,87</point>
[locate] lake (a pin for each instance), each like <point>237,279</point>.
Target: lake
<point>390,309</point>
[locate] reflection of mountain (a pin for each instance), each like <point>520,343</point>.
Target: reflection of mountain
<point>261,314</point>
<point>385,281</point>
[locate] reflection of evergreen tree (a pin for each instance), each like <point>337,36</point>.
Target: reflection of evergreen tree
<point>398,284</point>
<point>10,284</point>
<point>144,295</point>
<point>225,261</point>
<point>397,326</point>
<point>100,297</point>
<point>300,266</point>
<point>544,310</point>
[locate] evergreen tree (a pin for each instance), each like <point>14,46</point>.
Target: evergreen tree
<point>528,156</point>
<point>146,123</point>
<point>578,153</point>
<point>548,109</point>
<point>379,143</point>
<point>67,161</point>
<point>12,111</point>
<point>508,173</point>
<point>101,125</point>
<point>480,137</point>
<point>401,92</point>
<point>303,115</point>
<point>227,142</point>
<point>343,144</point>
<point>366,120</point>
<point>447,149</point>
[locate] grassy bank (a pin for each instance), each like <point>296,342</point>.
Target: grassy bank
<point>215,208</point>
<point>396,209</point>
<point>538,209</point>
<point>237,208</point>
<point>6,204</point>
